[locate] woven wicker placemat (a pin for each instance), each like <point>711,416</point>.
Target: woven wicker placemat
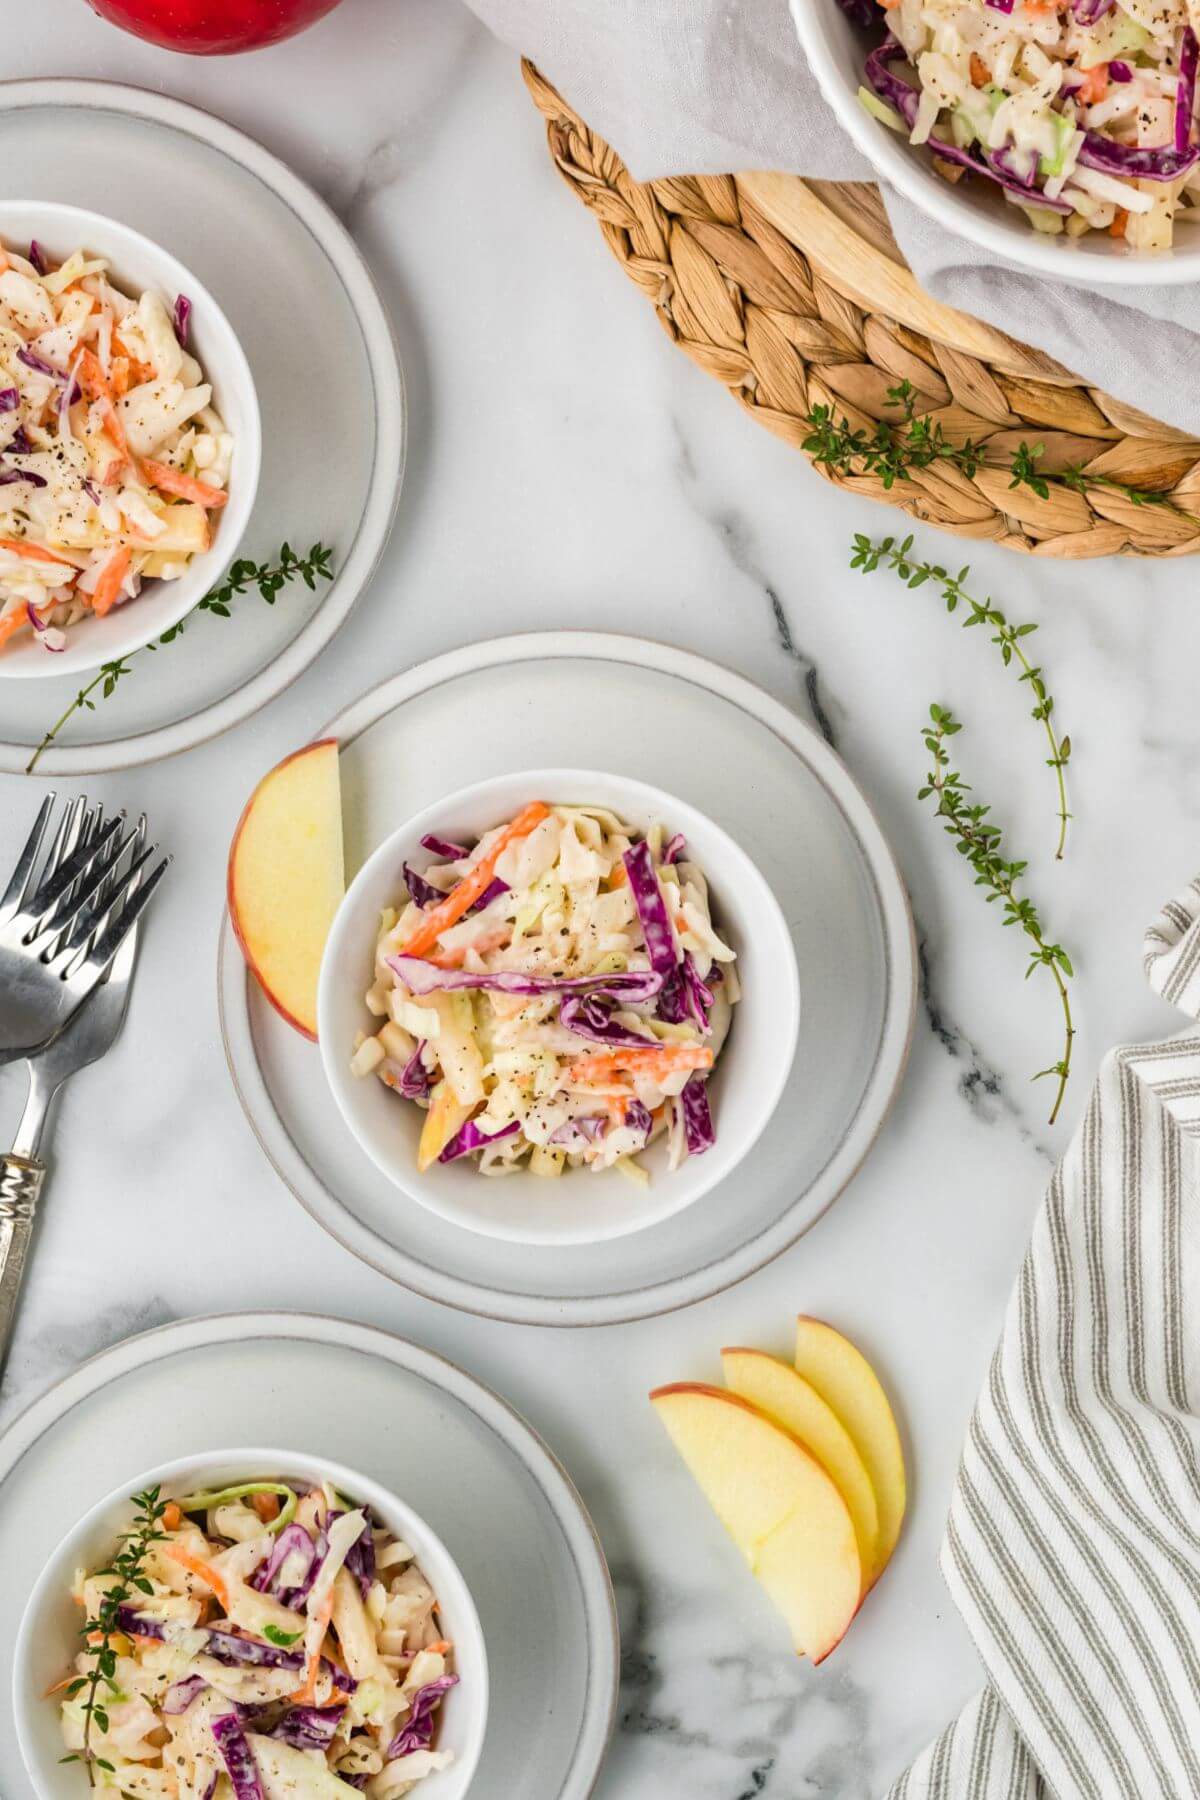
<point>793,294</point>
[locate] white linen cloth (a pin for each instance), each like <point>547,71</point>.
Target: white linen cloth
<point>1073,1544</point>
<point>701,87</point>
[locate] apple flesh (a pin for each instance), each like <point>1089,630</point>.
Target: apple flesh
<point>213,27</point>
<point>777,1503</point>
<point>286,878</point>
<point>791,1402</point>
<point>844,1378</point>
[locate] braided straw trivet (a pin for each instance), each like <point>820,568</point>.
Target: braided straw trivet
<point>793,294</point>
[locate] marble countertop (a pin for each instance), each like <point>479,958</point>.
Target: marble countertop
<point>568,467</point>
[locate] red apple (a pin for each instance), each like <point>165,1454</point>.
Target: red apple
<point>213,27</point>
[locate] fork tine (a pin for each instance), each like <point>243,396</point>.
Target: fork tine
<point>53,905</point>
<point>66,837</point>
<point>22,875</point>
<point>105,949</point>
<point>93,921</point>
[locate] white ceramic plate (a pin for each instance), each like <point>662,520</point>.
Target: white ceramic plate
<point>299,296</point>
<point>723,746</point>
<point>506,1510</point>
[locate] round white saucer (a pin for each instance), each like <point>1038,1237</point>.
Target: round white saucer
<point>648,711</point>
<point>505,1509</point>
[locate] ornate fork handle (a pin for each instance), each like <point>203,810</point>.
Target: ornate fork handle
<point>21,1180</point>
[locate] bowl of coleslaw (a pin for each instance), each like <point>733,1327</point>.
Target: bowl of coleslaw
<point>558,1006</point>
<point>130,440</point>
<point>292,1627</point>
<point>1058,133</point>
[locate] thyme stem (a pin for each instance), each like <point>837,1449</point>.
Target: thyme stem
<point>868,557</point>
<point>981,843</point>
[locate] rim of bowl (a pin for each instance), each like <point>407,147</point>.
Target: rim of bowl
<point>247,452</point>
<point>414,1186</point>
<point>353,1485</point>
<point>906,167</point>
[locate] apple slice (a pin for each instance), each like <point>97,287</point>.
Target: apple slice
<point>845,1379</point>
<point>777,1503</point>
<point>287,877</point>
<point>790,1401</point>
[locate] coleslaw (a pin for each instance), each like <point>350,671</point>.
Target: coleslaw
<point>555,997</point>
<point>281,1643</point>
<point>112,457</point>
<point>1082,112</point>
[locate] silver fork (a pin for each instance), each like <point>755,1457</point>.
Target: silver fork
<point>61,928</point>
<point>84,1039</point>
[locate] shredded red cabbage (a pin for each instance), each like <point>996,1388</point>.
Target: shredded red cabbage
<point>471,1138</point>
<point>491,892</point>
<point>10,399</point>
<point>421,977</point>
<point>416,1733</point>
<point>237,1756</point>
<point>32,360</point>
<point>591,1016</point>
<point>183,320</point>
<point>421,891</point>
<point>1088,12</point>
<point>1138,162</point>
<point>180,1694</point>
<point>19,443</point>
<point>651,909</point>
<point>675,849</point>
<point>1185,93</point>
<point>698,1127</point>
<point>49,636</point>
<point>309,1727</point>
<point>440,846</point>
<point>861,11</point>
<point>37,256</point>
<point>588,1128</point>
<point>1004,6</point>
<point>293,1542</point>
<point>638,1117</point>
<point>8,476</point>
<point>414,1080</point>
<point>1120,71</point>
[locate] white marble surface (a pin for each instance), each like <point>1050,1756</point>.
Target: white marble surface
<point>569,467</point>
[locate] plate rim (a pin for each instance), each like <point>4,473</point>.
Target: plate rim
<point>390,453</point>
<point>519,1437</point>
<point>881,1088</point>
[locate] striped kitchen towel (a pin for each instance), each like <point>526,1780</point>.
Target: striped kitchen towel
<point>1073,1544</point>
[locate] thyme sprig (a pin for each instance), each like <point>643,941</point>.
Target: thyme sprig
<point>868,556</point>
<point>916,441</point>
<point>268,578</point>
<point>128,1578</point>
<point>981,843</point>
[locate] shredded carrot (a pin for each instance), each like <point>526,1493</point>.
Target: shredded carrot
<point>97,387</point>
<point>58,1686</point>
<point>462,898</point>
<point>172,1517</point>
<point>35,553</point>
<point>304,1696</point>
<point>667,1059</point>
<point>13,622</point>
<point>108,589</point>
<point>618,875</point>
<point>454,959</point>
<point>1094,84</point>
<point>266,1506</point>
<point>1120,223</point>
<point>980,73</point>
<point>203,1571</point>
<point>186,487</point>
<point>441,1647</point>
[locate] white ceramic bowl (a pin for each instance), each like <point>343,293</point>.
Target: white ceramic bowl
<point>48,1636</point>
<point>138,265</point>
<point>580,1207</point>
<point>837,48</point>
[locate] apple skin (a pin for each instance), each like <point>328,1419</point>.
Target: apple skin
<point>213,27</point>
<point>230,899</point>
